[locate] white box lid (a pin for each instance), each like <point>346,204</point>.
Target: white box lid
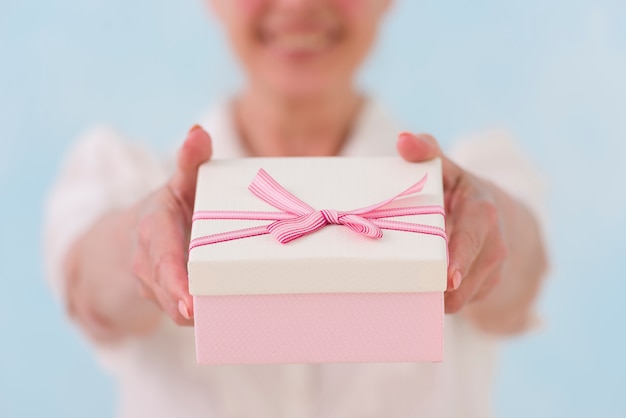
<point>333,259</point>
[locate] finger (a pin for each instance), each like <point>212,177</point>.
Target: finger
<point>196,150</point>
<point>417,147</point>
<point>491,262</point>
<point>163,287</point>
<point>141,262</point>
<point>168,258</point>
<point>490,282</point>
<point>466,241</point>
<point>457,297</point>
<point>144,290</point>
<point>483,275</point>
<point>170,275</point>
<point>480,280</point>
<point>423,147</point>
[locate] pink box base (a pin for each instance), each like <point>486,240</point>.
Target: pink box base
<point>319,328</point>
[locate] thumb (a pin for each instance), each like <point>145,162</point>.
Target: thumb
<point>422,147</point>
<point>417,147</point>
<point>195,150</point>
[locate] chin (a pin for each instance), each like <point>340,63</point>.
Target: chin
<point>302,91</point>
<point>301,86</point>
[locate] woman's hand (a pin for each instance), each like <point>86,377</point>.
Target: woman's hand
<point>133,256</point>
<point>161,239</point>
<point>492,241</point>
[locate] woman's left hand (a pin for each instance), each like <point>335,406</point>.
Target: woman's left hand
<point>476,241</point>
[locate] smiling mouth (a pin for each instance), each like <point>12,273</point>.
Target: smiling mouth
<point>300,42</point>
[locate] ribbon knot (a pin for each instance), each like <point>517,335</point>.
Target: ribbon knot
<point>298,218</point>
<point>290,229</point>
<point>331,216</point>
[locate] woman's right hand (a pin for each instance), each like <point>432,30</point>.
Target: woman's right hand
<point>161,237</point>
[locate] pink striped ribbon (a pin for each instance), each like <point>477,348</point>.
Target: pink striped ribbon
<point>298,218</point>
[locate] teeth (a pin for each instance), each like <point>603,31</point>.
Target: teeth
<point>313,41</point>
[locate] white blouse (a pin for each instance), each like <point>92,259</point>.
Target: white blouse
<point>158,375</point>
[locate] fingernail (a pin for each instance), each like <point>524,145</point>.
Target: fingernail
<point>426,138</point>
<point>456,280</point>
<point>182,308</point>
<point>194,127</point>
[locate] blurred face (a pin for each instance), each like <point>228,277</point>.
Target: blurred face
<point>300,48</point>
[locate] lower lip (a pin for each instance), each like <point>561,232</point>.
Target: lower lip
<point>299,53</point>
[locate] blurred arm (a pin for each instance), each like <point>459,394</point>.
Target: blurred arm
<point>87,228</point>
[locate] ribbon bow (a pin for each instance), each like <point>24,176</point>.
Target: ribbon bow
<point>298,218</point>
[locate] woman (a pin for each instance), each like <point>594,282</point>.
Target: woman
<point>119,221</point>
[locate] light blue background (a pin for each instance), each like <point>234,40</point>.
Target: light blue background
<point>551,72</point>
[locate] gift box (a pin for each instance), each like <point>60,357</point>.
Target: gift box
<point>311,260</point>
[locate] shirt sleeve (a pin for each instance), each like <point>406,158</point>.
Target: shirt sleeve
<point>102,172</point>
